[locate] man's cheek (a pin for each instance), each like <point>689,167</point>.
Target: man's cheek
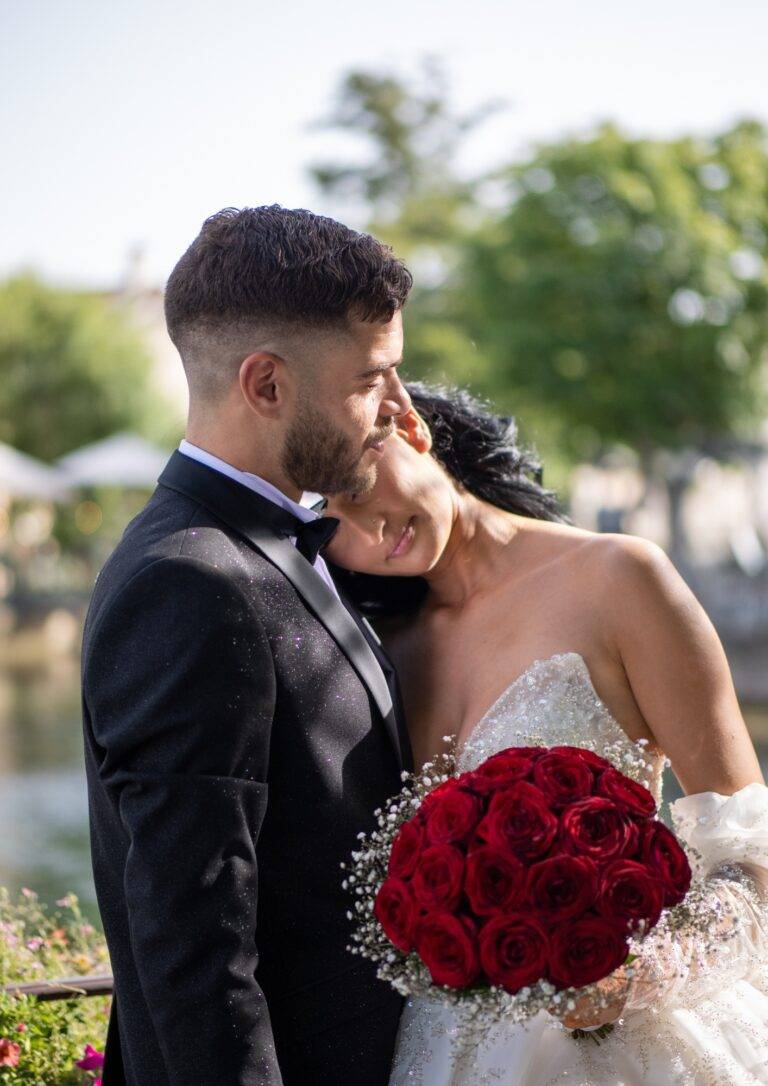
<point>363,414</point>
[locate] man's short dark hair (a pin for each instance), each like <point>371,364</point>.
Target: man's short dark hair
<point>271,267</point>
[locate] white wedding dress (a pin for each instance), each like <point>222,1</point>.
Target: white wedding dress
<point>690,1022</point>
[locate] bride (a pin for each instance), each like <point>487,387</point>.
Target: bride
<point>508,626</point>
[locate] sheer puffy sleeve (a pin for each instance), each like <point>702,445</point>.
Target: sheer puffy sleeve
<point>725,937</point>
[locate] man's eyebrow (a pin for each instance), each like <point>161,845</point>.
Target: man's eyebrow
<point>380,369</point>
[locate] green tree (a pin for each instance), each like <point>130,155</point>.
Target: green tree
<point>625,288</point>
<point>615,292</point>
<point>413,195</point>
<point>624,293</point>
<point>72,370</point>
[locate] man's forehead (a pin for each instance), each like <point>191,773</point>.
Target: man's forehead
<point>362,348</point>
<point>380,339</point>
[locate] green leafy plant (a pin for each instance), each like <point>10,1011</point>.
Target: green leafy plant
<point>41,1041</point>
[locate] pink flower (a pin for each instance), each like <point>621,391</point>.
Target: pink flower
<point>10,938</point>
<point>22,1027</point>
<point>27,892</point>
<point>9,1053</point>
<point>91,1061</point>
<point>35,943</point>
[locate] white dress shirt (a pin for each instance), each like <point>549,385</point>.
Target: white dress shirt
<point>266,490</point>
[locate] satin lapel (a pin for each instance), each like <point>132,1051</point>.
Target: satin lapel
<point>334,616</point>
<point>244,511</point>
<point>368,632</point>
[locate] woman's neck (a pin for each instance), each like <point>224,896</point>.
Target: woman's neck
<point>470,563</point>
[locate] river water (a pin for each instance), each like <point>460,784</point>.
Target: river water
<point>43,806</point>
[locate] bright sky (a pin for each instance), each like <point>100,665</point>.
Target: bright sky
<point>126,123</point>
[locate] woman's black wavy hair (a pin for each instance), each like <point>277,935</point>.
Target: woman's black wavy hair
<point>480,450</point>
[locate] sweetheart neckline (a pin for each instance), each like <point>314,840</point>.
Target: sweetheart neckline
<point>524,674</point>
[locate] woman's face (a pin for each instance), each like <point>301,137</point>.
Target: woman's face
<point>402,526</point>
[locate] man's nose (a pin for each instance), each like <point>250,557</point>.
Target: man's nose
<point>397,400</point>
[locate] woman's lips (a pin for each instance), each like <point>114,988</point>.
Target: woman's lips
<point>404,541</point>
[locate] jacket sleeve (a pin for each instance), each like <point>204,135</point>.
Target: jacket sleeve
<point>179,683</point>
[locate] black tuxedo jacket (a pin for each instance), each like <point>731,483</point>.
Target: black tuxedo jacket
<point>239,732</point>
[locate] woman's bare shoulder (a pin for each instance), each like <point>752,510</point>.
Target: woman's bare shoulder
<point>612,554</point>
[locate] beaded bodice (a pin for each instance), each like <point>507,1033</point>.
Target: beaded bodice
<point>554,703</point>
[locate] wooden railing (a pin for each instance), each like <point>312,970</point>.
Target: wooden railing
<point>67,988</point>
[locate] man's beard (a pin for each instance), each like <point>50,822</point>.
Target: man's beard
<point>317,456</point>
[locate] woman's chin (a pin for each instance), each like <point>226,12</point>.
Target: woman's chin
<point>409,565</point>
<point>414,564</point>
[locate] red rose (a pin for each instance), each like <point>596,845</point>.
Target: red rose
<point>659,848</point>
<point>562,886</point>
<point>513,951</point>
<point>630,892</point>
<point>628,794</point>
<point>447,945</point>
<point>597,828</point>
<point>594,761</point>
<point>583,951</point>
<point>439,877</point>
<point>502,769</point>
<point>494,880</point>
<point>405,849</point>
<point>563,778</point>
<point>396,911</point>
<point>519,819</point>
<point>453,817</point>
<point>431,797</point>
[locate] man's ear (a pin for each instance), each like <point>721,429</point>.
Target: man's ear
<point>263,384</point>
<point>414,429</point>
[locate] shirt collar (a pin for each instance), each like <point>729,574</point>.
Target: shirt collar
<point>300,509</point>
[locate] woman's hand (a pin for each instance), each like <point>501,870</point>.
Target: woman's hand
<point>604,1004</point>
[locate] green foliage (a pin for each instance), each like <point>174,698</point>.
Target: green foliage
<point>408,181</point>
<point>617,296</point>
<point>72,370</point>
<point>37,945</point>
<point>414,197</point>
<point>624,290</point>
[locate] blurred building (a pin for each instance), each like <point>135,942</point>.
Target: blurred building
<point>143,302</point>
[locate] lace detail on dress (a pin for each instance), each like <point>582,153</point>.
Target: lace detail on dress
<point>554,703</point>
<point>728,829</point>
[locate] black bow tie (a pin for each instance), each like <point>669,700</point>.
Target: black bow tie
<point>313,535</point>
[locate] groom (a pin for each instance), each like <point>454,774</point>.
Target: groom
<point>241,722</point>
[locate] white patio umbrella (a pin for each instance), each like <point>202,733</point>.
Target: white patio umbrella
<point>22,476</point>
<point>125,460</point>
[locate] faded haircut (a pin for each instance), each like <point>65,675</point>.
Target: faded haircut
<point>256,275</point>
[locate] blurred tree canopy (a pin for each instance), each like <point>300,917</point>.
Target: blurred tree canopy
<point>625,288</point>
<point>72,370</point>
<point>615,289</point>
<point>413,196</point>
<point>408,183</point>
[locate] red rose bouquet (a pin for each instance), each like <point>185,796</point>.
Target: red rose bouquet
<point>517,884</point>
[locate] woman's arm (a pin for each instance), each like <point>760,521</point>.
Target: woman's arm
<point>677,669</point>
